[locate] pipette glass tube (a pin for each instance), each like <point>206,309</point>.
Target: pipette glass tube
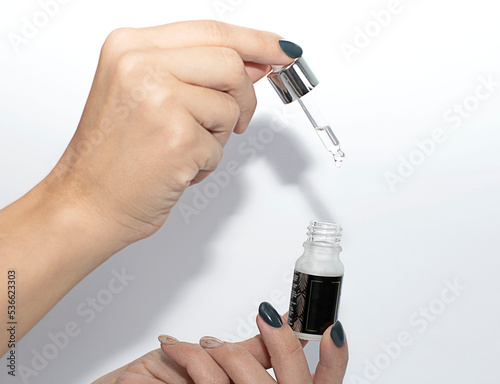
<point>294,82</point>
<point>322,128</point>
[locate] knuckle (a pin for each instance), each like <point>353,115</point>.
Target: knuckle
<point>188,139</point>
<point>161,98</point>
<point>218,379</point>
<point>182,137</point>
<point>234,66</point>
<point>195,359</point>
<point>235,351</point>
<point>252,100</point>
<point>262,42</point>
<point>232,109</point>
<point>339,365</point>
<point>214,30</point>
<point>222,380</point>
<point>117,40</point>
<point>290,349</point>
<point>215,378</point>
<point>208,156</point>
<point>209,375</point>
<point>128,63</point>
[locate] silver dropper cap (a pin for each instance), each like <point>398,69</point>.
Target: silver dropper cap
<point>293,81</point>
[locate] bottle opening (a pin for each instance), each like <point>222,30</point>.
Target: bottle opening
<point>324,231</point>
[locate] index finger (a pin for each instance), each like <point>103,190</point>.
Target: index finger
<point>333,356</point>
<point>252,45</point>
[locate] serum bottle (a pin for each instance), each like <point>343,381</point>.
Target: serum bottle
<point>317,282</point>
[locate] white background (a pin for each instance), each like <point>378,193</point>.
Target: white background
<point>401,245</point>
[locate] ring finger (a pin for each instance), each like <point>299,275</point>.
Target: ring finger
<point>236,361</point>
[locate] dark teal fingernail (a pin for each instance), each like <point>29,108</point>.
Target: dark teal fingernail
<point>269,314</point>
<point>337,334</point>
<point>291,49</point>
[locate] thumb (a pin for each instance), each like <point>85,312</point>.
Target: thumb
<point>256,71</point>
<point>333,356</point>
<point>257,347</point>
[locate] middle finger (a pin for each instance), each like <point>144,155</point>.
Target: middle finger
<point>236,361</point>
<point>198,363</point>
<point>218,68</point>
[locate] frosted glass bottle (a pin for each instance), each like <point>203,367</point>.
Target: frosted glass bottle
<point>317,282</point>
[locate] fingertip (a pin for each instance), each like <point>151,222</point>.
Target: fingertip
<point>332,357</point>
<point>167,340</point>
<point>239,129</point>
<point>337,334</point>
<point>334,338</point>
<point>269,314</point>
<point>292,50</point>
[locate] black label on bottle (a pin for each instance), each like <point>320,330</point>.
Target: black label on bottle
<point>314,302</point>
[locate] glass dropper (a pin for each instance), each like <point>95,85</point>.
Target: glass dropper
<point>322,128</point>
<point>294,82</point>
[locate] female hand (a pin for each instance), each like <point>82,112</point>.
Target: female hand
<point>214,361</point>
<point>163,104</point>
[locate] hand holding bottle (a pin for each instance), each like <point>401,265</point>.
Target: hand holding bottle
<point>214,361</point>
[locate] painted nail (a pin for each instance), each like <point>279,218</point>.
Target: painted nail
<point>210,342</point>
<point>291,49</point>
<point>166,339</point>
<point>269,314</point>
<point>337,334</point>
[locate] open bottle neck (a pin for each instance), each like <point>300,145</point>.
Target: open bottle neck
<point>324,232</point>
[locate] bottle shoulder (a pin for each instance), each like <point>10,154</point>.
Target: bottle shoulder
<point>320,265</point>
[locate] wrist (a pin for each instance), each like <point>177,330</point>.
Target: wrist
<point>75,221</point>
<point>51,226</point>
<point>53,242</point>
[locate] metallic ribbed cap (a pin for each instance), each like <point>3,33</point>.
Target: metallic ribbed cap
<point>293,81</point>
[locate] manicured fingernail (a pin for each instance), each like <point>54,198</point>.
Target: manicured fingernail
<point>269,314</point>
<point>210,342</point>
<point>166,339</point>
<point>291,49</point>
<point>337,334</point>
